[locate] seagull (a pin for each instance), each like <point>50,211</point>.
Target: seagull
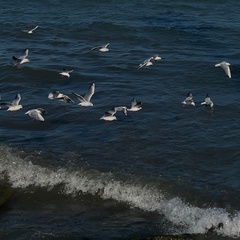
<point>65,73</point>
<point>30,31</point>
<point>103,48</point>
<point>156,57</point>
<point>225,66</point>
<point>207,102</point>
<point>148,62</point>
<point>59,96</point>
<point>37,114</point>
<point>135,106</point>
<point>85,101</point>
<point>22,59</point>
<point>14,105</point>
<point>189,100</point>
<point>122,109</point>
<point>109,115</point>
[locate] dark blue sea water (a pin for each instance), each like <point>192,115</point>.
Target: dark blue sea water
<point>166,169</point>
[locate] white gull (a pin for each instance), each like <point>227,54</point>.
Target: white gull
<point>36,113</point>
<point>30,31</point>
<point>225,66</point>
<point>22,59</point>
<point>14,105</point>
<point>189,100</point>
<point>103,48</point>
<point>110,115</point>
<point>149,61</point>
<point>65,73</point>
<point>135,106</point>
<point>59,96</point>
<point>207,102</point>
<point>85,101</point>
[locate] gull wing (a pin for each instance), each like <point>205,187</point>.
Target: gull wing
<point>24,54</point>
<point>17,99</point>
<point>34,28</point>
<point>35,113</point>
<point>146,61</point>
<point>14,58</point>
<point>226,69</point>
<point>94,48</point>
<point>80,98</point>
<point>90,92</point>
<point>105,46</point>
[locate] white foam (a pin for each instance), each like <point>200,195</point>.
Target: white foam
<point>22,173</point>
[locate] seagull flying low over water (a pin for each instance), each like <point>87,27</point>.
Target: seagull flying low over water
<point>208,102</point>
<point>135,106</point>
<point>149,61</point>
<point>59,96</point>
<point>146,63</point>
<point>103,48</point>
<point>14,105</point>
<point>110,115</point>
<point>225,66</point>
<point>65,73</point>
<point>22,59</point>
<point>36,113</point>
<point>30,31</point>
<point>85,101</point>
<point>189,100</point>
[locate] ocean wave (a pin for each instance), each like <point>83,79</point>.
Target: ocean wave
<point>20,171</point>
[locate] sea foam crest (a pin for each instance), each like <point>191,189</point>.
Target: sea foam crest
<point>22,173</point>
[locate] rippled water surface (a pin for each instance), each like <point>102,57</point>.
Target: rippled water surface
<point>166,169</point>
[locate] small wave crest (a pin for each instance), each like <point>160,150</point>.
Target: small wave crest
<point>20,172</point>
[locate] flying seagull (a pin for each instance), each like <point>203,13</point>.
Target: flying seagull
<point>59,96</point>
<point>14,105</point>
<point>22,59</point>
<point>65,73</point>
<point>36,113</point>
<point>189,100</point>
<point>85,101</point>
<point>103,48</point>
<point>225,66</point>
<point>110,115</point>
<point>146,63</point>
<point>30,31</point>
<point>149,61</point>
<point>135,106</point>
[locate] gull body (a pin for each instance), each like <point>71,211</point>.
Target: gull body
<point>225,66</point>
<point>85,101</point>
<point>60,96</point>
<point>135,106</point>
<point>189,100</point>
<point>14,105</point>
<point>65,73</point>
<point>109,115</point>
<point>103,48</point>
<point>36,114</point>
<point>208,102</point>
<point>22,59</point>
<point>30,31</point>
<point>146,63</point>
<point>149,61</point>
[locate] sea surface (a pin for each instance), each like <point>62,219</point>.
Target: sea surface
<point>166,169</point>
